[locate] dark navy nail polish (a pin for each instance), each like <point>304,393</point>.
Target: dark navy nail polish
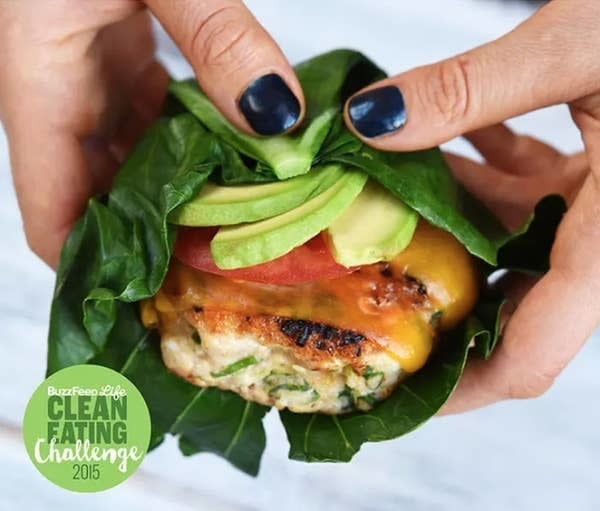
<point>269,105</point>
<point>378,111</point>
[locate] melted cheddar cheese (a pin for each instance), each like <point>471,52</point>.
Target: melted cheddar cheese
<point>446,269</point>
<point>397,303</point>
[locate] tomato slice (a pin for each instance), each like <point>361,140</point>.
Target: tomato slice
<point>306,263</point>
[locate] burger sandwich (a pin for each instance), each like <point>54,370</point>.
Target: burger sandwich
<point>226,274</point>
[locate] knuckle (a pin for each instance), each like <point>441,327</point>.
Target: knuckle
<point>579,228</point>
<point>524,379</point>
<point>533,385</point>
<point>449,89</point>
<point>33,241</point>
<point>221,39</point>
<point>45,241</point>
<point>112,11</point>
<point>523,146</point>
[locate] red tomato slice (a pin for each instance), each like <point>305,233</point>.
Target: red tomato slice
<point>306,263</point>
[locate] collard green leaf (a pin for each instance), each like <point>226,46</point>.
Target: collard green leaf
<point>233,170</point>
<point>329,79</point>
<point>118,255</point>
<point>484,324</point>
<point>339,142</point>
<point>119,251</point>
<point>529,250</point>
<point>225,424</point>
<point>326,81</point>
<point>287,155</point>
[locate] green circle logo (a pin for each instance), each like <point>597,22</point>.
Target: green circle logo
<point>86,428</point>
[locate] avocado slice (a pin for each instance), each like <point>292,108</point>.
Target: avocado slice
<point>376,227</point>
<point>230,205</point>
<point>245,245</point>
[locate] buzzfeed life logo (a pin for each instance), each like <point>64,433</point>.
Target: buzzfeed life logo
<point>86,428</point>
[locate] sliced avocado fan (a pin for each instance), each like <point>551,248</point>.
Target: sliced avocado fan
<point>245,245</point>
<point>229,205</point>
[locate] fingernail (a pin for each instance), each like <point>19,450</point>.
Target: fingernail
<point>269,105</point>
<point>378,111</point>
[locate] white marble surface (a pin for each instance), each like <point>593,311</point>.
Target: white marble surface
<point>540,454</point>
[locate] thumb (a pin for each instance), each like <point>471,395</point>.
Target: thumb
<point>548,59</point>
<point>237,64</point>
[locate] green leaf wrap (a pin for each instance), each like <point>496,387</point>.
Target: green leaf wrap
<point>118,254</point>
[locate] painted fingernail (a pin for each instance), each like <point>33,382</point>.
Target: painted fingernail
<point>269,105</point>
<point>378,111</point>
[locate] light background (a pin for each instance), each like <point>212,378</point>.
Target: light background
<point>532,455</point>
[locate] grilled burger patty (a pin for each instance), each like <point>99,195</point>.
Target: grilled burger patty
<point>330,346</point>
<point>332,371</point>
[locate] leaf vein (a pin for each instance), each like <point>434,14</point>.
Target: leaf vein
<point>336,421</point>
<point>238,432</point>
<point>416,396</point>
<point>133,353</point>
<point>187,408</point>
<point>307,431</point>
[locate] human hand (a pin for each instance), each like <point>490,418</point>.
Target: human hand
<point>82,83</point>
<point>549,59</point>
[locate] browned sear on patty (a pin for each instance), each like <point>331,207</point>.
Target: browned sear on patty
<point>313,345</point>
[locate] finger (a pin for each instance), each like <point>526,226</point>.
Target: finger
<point>535,349</point>
<point>515,154</point>
<point>503,194</point>
<point>515,286</point>
<point>101,163</point>
<point>136,81</point>
<point>132,77</point>
<point>127,135</point>
<point>512,197</point>
<point>520,72</point>
<point>149,88</point>
<point>553,321</point>
<point>51,197</point>
<point>236,62</point>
